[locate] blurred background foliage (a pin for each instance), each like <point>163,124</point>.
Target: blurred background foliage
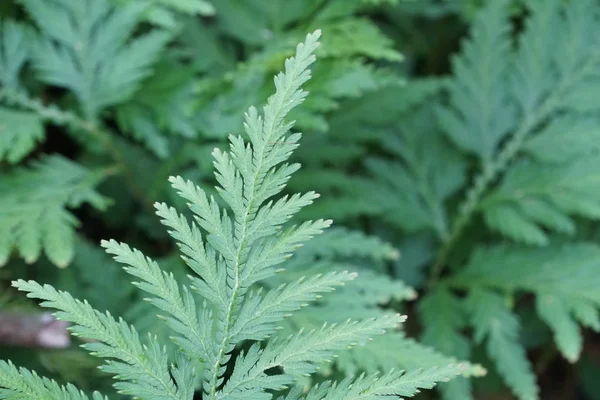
<point>101,101</point>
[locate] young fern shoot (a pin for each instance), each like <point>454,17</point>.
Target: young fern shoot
<point>230,250</point>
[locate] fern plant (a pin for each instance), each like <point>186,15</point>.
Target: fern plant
<point>100,73</point>
<point>229,250</point>
<point>522,114</point>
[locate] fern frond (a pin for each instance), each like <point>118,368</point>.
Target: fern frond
<point>553,145</point>
<point>395,350</point>
<point>142,370</point>
<point>563,277</point>
<point>20,383</point>
<point>444,317</point>
<point>482,115</point>
<point>356,36</point>
<point>534,196</point>
<point>167,13</point>
<point>162,108</point>
<point>180,306</point>
<point>545,87</point>
<point>255,169</point>
<point>343,242</point>
<point>74,47</point>
<point>392,384</point>
<point>34,212</point>
<point>15,44</point>
<point>20,132</point>
<point>420,182</point>
<point>260,312</point>
<point>493,321</point>
<point>200,258</point>
<point>301,353</point>
<point>233,245</point>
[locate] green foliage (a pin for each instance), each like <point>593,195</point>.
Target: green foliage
<point>34,215</point>
<point>29,384</point>
<point>562,277</point>
<point>493,320</point>
<point>20,133</point>
<point>14,52</point>
<point>166,13</point>
<point>230,250</point>
<point>519,112</point>
<point>73,47</point>
<point>453,143</point>
<point>526,114</point>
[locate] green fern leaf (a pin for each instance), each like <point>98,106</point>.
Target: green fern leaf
<point>393,383</point>
<point>394,350</point>
<point>15,43</point>
<point>493,321</point>
<point>19,383</point>
<point>563,278</point>
<point>342,242</point>
<point>161,108</point>
<point>300,354</point>
<point>34,214</point>
<point>178,304</point>
<point>553,145</point>
<point>20,132</point>
<point>74,47</point>
<point>443,317</point>
<point>251,175</point>
<point>167,13</point>
<point>346,37</point>
<point>235,253</point>
<point>544,93</point>
<point>482,115</point>
<point>534,196</point>
<point>142,370</point>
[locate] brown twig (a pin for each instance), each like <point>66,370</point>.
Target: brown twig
<point>33,330</point>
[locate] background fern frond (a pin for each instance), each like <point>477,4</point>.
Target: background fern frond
<point>34,215</point>
<point>444,317</point>
<point>493,321</point>
<point>397,384</point>
<point>482,116</point>
<point>20,132</point>
<point>561,276</point>
<point>73,50</point>
<point>14,52</point>
<point>535,197</point>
